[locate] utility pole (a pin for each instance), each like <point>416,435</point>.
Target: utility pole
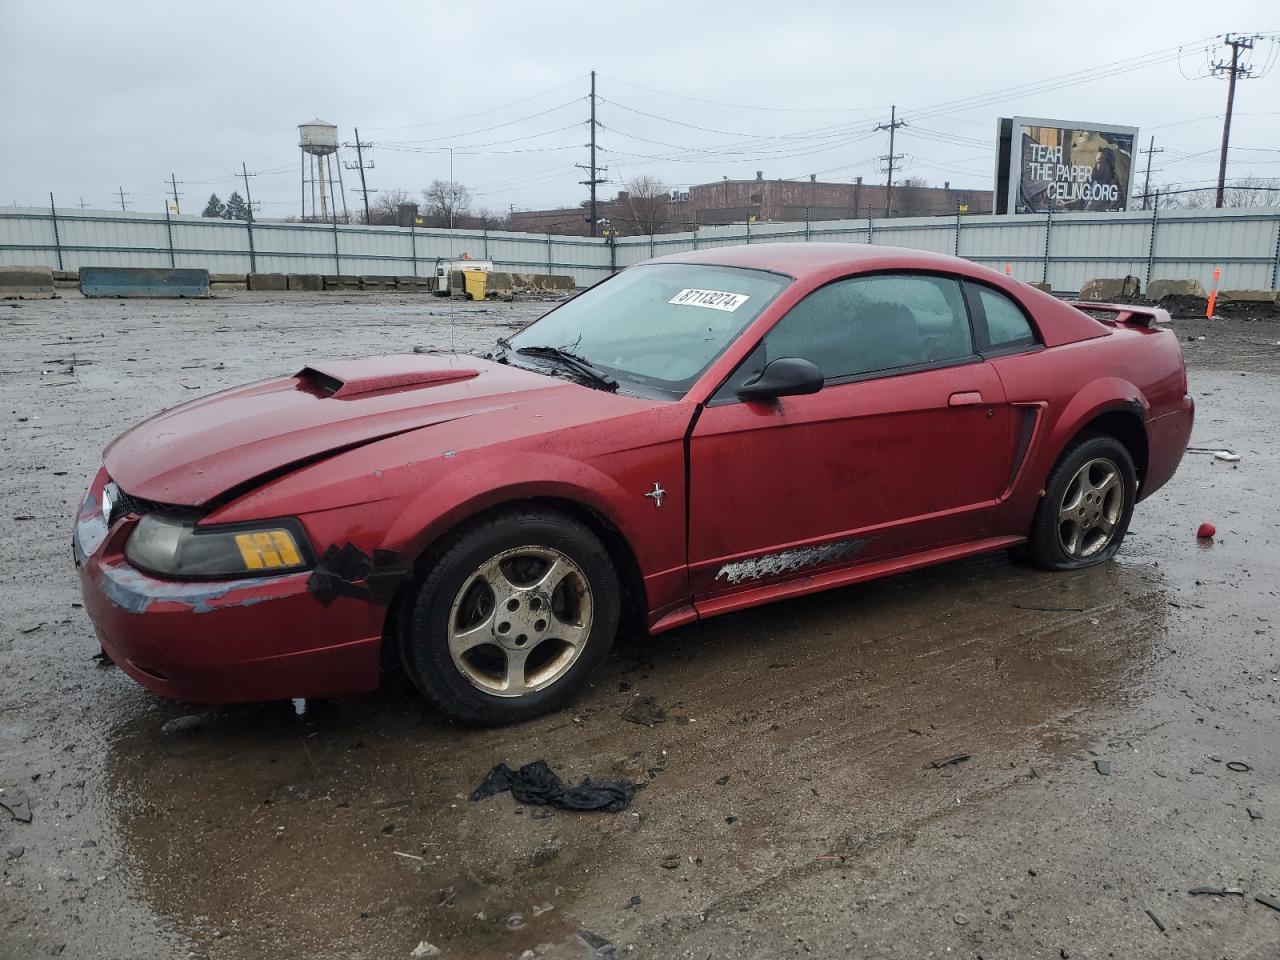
<point>1237,44</point>
<point>174,181</point>
<point>360,165</point>
<point>248,197</point>
<point>120,191</point>
<point>1146,183</point>
<point>893,124</point>
<point>593,171</point>
<point>82,203</point>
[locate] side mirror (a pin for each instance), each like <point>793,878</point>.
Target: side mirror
<point>784,377</point>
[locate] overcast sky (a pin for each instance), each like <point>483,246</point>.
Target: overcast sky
<point>95,96</point>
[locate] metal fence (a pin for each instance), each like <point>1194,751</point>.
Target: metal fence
<point>1063,250</point>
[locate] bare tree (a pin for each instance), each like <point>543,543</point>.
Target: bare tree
<point>1253,192</point>
<point>909,196</point>
<point>446,201</point>
<point>1243,192</point>
<point>385,208</point>
<point>648,203</point>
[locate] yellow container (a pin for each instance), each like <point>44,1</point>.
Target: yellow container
<point>474,282</point>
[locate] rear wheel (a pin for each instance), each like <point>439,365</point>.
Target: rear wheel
<point>511,617</point>
<point>1085,512</point>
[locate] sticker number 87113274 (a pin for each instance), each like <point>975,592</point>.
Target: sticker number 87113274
<point>711,299</point>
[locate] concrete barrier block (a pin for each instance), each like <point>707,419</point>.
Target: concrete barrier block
<point>268,281</point>
<point>1248,296</point>
<point>1110,288</point>
<point>305,281</point>
<point>144,282</point>
<point>333,282</point>
<point>418,284</point>
<point>26,283</point>
<point>1042,287</point>
<point>377,283</point>
<point>240,278</point>
<point>1159,289</point>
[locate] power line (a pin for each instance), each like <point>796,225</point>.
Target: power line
<point>483,113</point>
<point>1146,183</point>
<point>360,165</point>
<point>1235,69</point>
<point>892,126</point>
<point>593,172</point>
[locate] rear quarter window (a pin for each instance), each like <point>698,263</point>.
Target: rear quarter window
<point>1007,325</point>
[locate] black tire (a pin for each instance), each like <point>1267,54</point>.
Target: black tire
<point>425,646</point>
<point>1045,542</point>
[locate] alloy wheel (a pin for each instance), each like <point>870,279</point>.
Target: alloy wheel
<point>1091,508</point>
<point>520,621</point>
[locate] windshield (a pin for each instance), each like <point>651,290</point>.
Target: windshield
<point>659,325</point>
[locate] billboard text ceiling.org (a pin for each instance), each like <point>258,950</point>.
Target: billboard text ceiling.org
<point>1056,165</point>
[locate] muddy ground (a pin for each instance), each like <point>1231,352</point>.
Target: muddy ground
<point>790,808</point>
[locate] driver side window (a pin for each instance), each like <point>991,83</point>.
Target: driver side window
<point>867,324</point>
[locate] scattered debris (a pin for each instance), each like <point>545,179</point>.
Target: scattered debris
<point>1238,766</point>
<point>1266,901</point>
<point>645,711</point>
<point>32,629</point>
<point>948,761</point>
<point>961,919</point>
<point>13,853</point>
<point>594,940</point>
<point>407,856</point>
<point>721,781</point>
<point>1206,531</point>
<point>1255,813</point>
<point>535,783</point>
<point>1216,892</point>
<point>1155,920</point>
<point>538,909</point>
<point>17,804</point>
<point>670,862</point>
<point>514,921</point>
<point>188,724</point>
<point>425,949</point>
<point>1230,456</point>
<point>633,902</point>
<point>1103,767</point>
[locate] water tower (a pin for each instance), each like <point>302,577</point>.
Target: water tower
<point>319,143</point>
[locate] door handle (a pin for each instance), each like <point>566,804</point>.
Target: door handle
<point>971,398</point>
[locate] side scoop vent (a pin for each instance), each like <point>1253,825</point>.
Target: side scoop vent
<point>342,380</point>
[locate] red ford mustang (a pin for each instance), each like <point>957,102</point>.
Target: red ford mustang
<point>700,433</point>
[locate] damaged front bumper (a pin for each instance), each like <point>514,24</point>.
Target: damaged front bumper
<point>221,641</point>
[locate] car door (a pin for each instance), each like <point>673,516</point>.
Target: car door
<point>905,447</point>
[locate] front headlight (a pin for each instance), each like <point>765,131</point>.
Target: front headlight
<point>176,547</point>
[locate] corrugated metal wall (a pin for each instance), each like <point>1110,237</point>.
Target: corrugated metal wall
<point>1065,250</point>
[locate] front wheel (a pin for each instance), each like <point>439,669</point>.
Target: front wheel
<point>511,617</point>
<point>1088,502</point>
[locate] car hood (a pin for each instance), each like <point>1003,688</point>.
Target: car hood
<point>227,442</point>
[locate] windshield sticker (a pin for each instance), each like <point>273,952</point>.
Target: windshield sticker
<point>712,299</point>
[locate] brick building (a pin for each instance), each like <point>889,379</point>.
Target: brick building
<point>734,201</point>
<point>779,201</point>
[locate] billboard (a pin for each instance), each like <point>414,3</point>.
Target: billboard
<point>1056,165</point>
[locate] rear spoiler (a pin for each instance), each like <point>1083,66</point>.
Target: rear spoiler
<point>1114,313</point>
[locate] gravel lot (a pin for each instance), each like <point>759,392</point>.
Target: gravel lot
<point>791,809</point>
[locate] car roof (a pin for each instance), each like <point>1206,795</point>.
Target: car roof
<point>804,260</point>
